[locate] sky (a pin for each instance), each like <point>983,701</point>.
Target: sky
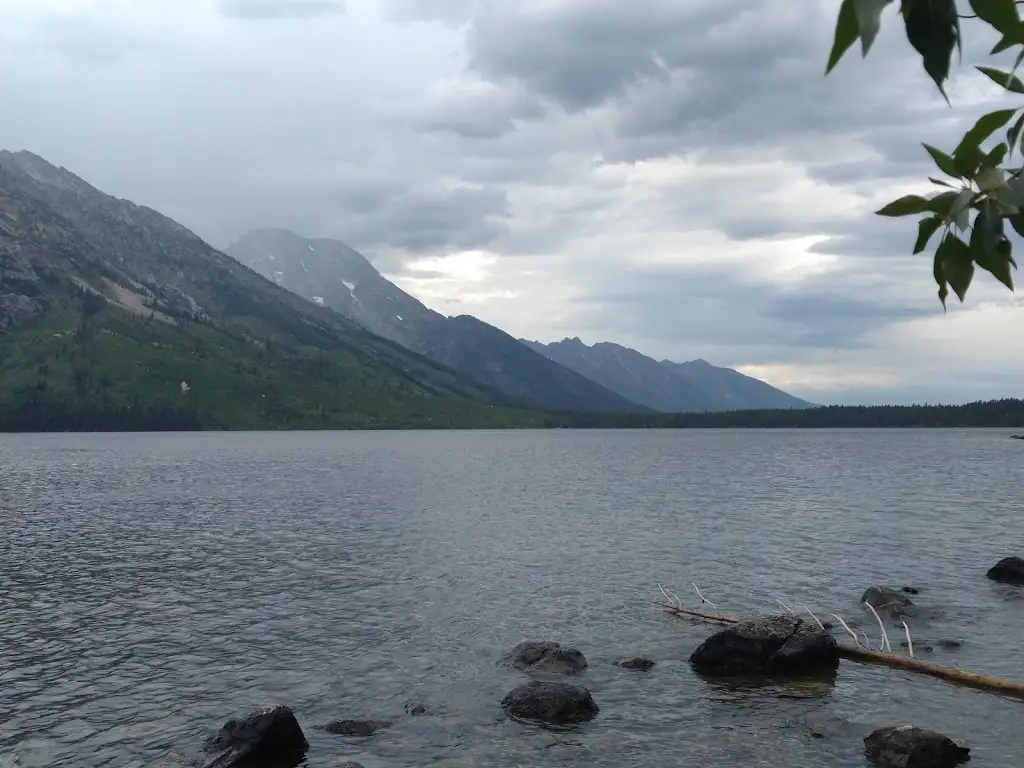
<point>677,176</point>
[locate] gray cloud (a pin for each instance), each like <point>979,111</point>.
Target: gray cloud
<point>650,172</point>
<point>279,9</point>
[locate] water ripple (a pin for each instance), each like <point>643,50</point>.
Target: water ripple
<point>152,586</point>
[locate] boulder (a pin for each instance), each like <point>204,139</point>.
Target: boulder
<point>1009,570</point>
<point>551,703</point>
<point>267,737</point>
<point>636,662</point>
<point>355,728</point>
<point>883,598</point>
<point>777,645</point>
<point>912,747</point>
<point>350,764</point>
<point>546,658</point>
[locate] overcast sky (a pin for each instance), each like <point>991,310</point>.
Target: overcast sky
<point>672,175</point>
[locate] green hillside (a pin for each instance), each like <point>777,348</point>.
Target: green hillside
<point>106,307</point>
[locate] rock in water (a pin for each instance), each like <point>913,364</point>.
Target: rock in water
<point>785,645</point>
<point>355,728</point>
<point>1009,570</point>
<point>883,598</point>
<point>267,737</point>
<point>547,658</point>
<point>551,703</point>
<point>637,662</point>
<point>911,747</point>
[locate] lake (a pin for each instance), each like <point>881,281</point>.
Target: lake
<point>153,586</point>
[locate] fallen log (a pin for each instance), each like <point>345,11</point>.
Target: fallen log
<point>863,655</point>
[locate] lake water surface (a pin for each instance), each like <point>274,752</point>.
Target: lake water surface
<point>152,586</point>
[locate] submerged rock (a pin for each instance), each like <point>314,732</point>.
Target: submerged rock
<point>883,598</point>
<point>355,728</point>
<point>1009,570</point>
<point>551,703</point>
<point>912,747</point>
<point>266,737</point>
<point>777,645</point>
<point>547,658</point>
<point>636,662</point>
<point>415,708</point>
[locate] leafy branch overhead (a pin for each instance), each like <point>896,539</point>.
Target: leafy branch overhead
<point>980,192</point>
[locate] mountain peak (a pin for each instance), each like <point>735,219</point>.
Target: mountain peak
<point>43,171</point>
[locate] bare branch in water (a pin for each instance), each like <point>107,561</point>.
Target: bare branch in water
<point>910,643</point>
<point>885,638</point>
<point>705,600</point>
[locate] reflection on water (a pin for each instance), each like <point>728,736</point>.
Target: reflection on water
<point>152,586</point>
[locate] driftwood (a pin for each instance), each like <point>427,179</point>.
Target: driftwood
<point>867,656</point>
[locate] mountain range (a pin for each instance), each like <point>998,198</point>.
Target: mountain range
<point>561,375</point>
<point>666,386</point>
<point>113,316</point>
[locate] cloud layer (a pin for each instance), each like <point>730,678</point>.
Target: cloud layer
<point>674,176</point>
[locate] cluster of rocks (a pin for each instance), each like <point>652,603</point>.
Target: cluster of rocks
<point>273,737</point>
<point>785,646</point>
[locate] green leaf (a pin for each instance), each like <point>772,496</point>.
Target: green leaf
<point>933,30</point>
<point>869,20</point>
<point>1017,188</point>
<point>937,273</point>
<point>996,155</point>
<point>1005,200</point>
<point>847,31</point>
<point>940,182</point>
<point>990,178</point>
<point>1008,80</point>
<point>1005,43</point>
<point>925,229</point>
<point>1017,222</point>
<point>1000,14</point>
<point>960,211</point>
<point>998,262</point>
<point>942,203</point>
<point>956,264</point>
<point>983,128</point>
<point>1013,134</point>
<point>968,160</point>
<point>988,228</point>
<point>987,244</point>
<point>907,205</point>
<point>945,162</point>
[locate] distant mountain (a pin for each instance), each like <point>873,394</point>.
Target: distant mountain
<point>667,386</point>
<point>333,275</point>
<point>113,316</point>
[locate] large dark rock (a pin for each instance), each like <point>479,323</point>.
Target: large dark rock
<point>1009,570</point>
<point>547,658</point>
<point>886,599</point>
<point>268,738</point>
<point>911,747</point>
<point>551,703</point>
<point>777,645</point>
<point>355,728</point>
